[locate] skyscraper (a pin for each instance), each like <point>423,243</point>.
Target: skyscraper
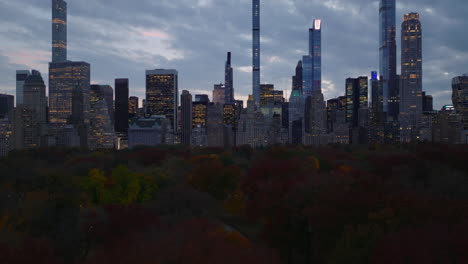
<point>186,118</point>
<point>460,98</point>
<point>376,97</point>
<point>219,94</point>
<point>63,78</point>
<point>411,77</point>
<point>35,97</point>
<point>21,76</point>
<point>162,94</point>
<point>256,50</point>
<point>387,58</point>
<point>101,131</point>
<point>229,80</point>
<point>107,93</point>
<point>312,63</point>
<point>297,79</point>
<point>7,103</point>
<point>121,106</point>
<point>133,104</point>
<point>59,31</point>
<point>356,98</point>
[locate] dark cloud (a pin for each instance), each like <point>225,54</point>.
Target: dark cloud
<point>122,38</point>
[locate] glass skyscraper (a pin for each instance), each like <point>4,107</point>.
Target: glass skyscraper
<point>256,50</point>
<point>59,31</point>
<point>21,76</point>
<point>312,63</point>
<point>387,58</point>
<point>162,94</point>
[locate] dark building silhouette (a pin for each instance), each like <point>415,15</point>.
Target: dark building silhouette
<point>285,115</point>
<point>21,76</point>
<point>7,102</point>
<point>133,105</point>
<point>229,80</point>
<point>428,102</point>
<point>356,98</point>
<point>460,98</point>
<point>186,118</point>
<point>162,94</point>
<point>59,31</point>
<point>121,106</point>
<point>297,79</point>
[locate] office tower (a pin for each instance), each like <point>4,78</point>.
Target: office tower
<point>312,63</point>
<point>6,137</point>
<point>256,50</point>
<point>285,115</point>
<point>35,97</point>
<point>229,80</point>
<point>59,31</point>
<point>101,129</point>
<point>199,113</point>
<point>252,127</point>
<point>356,98</point>
<point>219,94</point>
<point>21,76</point>
<point>336,120</point>
<point>460,101</point>
<point>270,96</point>
<point>202,98</point>
<point>428,102</point>
<point>63,78</point>
<point>121,105</point>
<point>215,126</point>
<point>186,117</point>
<point>411,78</point>
<point>7,102</point>
<point>376,99</point>
<point>107,93</point>
<point>133,104</point>
<point>296,118</point>
<point>297,81</point>
<point>387,58</point>
<point>162,94</point>
<point>448,126</point>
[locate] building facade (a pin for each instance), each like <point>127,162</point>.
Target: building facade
<point>387,57</point>
<point>7,103</point>
<point>121,105</point>
<point>186,118</point>
<point>229,80</point>
<point>460,101</point>
<point>312,63</point>
<point>21,76</point>
<point>256,50</point>
<point>162,94</point>
<point>59,31</point>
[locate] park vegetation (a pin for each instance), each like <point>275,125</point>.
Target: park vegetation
<point>333,204</point>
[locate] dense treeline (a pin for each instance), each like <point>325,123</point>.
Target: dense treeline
<point>335,204</point>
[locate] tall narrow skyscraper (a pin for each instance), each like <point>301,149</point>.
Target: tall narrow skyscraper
<point>256,50</point>
<point>387,58</point>
<point>59,31</point>
<point>121,106</point>
<point>186,118</point>
<point>312,63</point>
<point>411,76</point>
<point>229,80</point>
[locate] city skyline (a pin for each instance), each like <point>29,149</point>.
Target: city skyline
<point>277,63</point>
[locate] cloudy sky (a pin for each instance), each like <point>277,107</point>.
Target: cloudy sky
<point>123,38</point>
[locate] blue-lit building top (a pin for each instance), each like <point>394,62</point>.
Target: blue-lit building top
<point>312,63</point>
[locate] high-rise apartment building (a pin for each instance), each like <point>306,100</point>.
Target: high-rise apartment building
<point>219,94</point>
<point>133,105</point>
<point>256,50</point>
<point>460,102</point>
<point>297,78</point>
<point>411,101</point>
<point>162,94</point>
<point>312,63</point>
<point>59,31</point>
<point>186,117</point>
<point>356,98</point>
<point>387,58</point>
